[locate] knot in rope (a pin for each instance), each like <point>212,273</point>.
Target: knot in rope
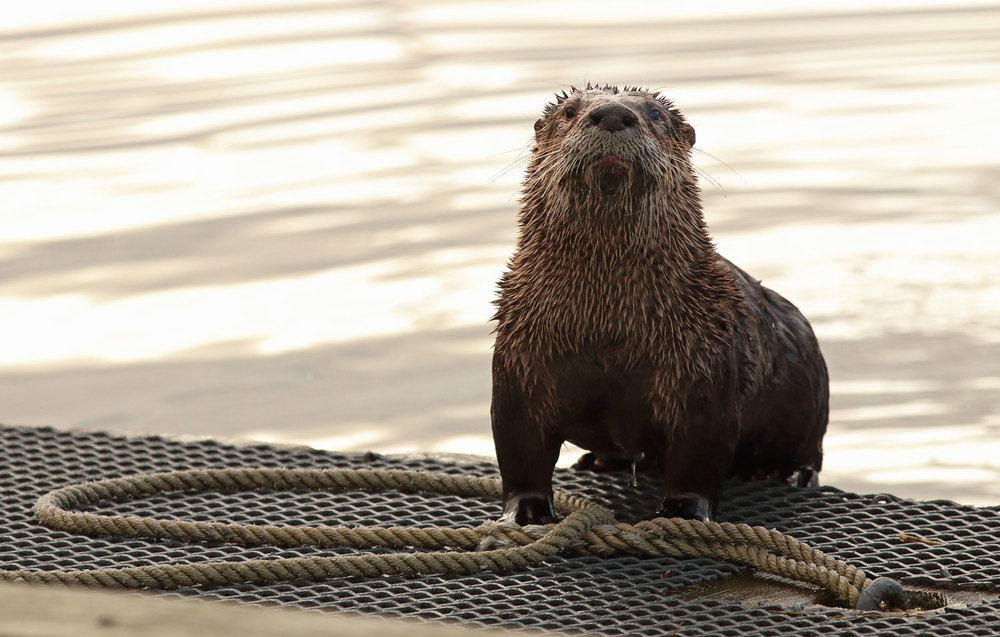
<point>493,546</point>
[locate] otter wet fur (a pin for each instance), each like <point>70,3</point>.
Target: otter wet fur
<point>622,330</point>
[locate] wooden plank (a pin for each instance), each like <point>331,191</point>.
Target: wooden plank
<point>31,610</point>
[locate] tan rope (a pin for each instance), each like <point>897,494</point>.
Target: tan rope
<point>586,528</point>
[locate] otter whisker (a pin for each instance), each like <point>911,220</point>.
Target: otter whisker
<point>523,158</point>
<point>710,155</point>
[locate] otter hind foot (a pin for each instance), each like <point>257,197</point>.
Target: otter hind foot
<point>689,506</point>
<point>802,477</point>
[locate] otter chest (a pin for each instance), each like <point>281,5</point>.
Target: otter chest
<point>592,310</point>
<point>607,409</point>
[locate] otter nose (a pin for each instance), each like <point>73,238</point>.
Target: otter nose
<point>613,118</point>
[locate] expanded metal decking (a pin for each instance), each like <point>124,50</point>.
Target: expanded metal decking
<point>601,595</point>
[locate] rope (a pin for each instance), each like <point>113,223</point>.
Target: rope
<point>494,546</point>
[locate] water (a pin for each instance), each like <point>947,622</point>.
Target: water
<point>233,219</point>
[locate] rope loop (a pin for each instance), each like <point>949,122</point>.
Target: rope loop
<point>493,546</point>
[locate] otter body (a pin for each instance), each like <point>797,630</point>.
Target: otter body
<point>621,329</point>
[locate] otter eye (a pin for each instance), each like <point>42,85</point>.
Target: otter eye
<point>654,115</point>
<point>570,112</point>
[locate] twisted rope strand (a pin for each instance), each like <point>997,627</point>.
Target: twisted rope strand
<point>586,528</point>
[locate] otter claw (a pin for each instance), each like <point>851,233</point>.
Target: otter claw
<point>530,508</point>
<point>804,478</point>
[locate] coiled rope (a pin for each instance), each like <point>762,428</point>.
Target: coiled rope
<point>494,546</point>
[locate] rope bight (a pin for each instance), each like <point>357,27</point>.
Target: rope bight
<point>493,546</point>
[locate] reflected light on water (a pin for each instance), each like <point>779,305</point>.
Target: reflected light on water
<point>473,76</point>
<point>626,12</point>
<point>12,110</point>
<point>913,460</point>
<point>879,386</point>
<point>892,410</point>
<point>854,281</point>
<point>372,300</point>
<point>273,59</point>
<point>364,437</point>
<point>206,58</point>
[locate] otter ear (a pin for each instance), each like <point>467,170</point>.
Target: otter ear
<point>539,123</point>
<point>687,133</point>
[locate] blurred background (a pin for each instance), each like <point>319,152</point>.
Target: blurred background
<point>285,221</point>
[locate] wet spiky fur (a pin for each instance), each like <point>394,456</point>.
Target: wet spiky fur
<point>615,283</point>
<point>637,270</point>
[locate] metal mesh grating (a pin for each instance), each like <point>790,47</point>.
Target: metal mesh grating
<point>618,595</point>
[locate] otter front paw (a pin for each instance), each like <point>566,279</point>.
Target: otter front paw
<point>529,508</point>
<point>804,477</point>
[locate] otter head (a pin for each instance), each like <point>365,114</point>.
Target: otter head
<point>607,142</point>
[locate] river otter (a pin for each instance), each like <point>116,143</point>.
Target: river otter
<point>622,330</point>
